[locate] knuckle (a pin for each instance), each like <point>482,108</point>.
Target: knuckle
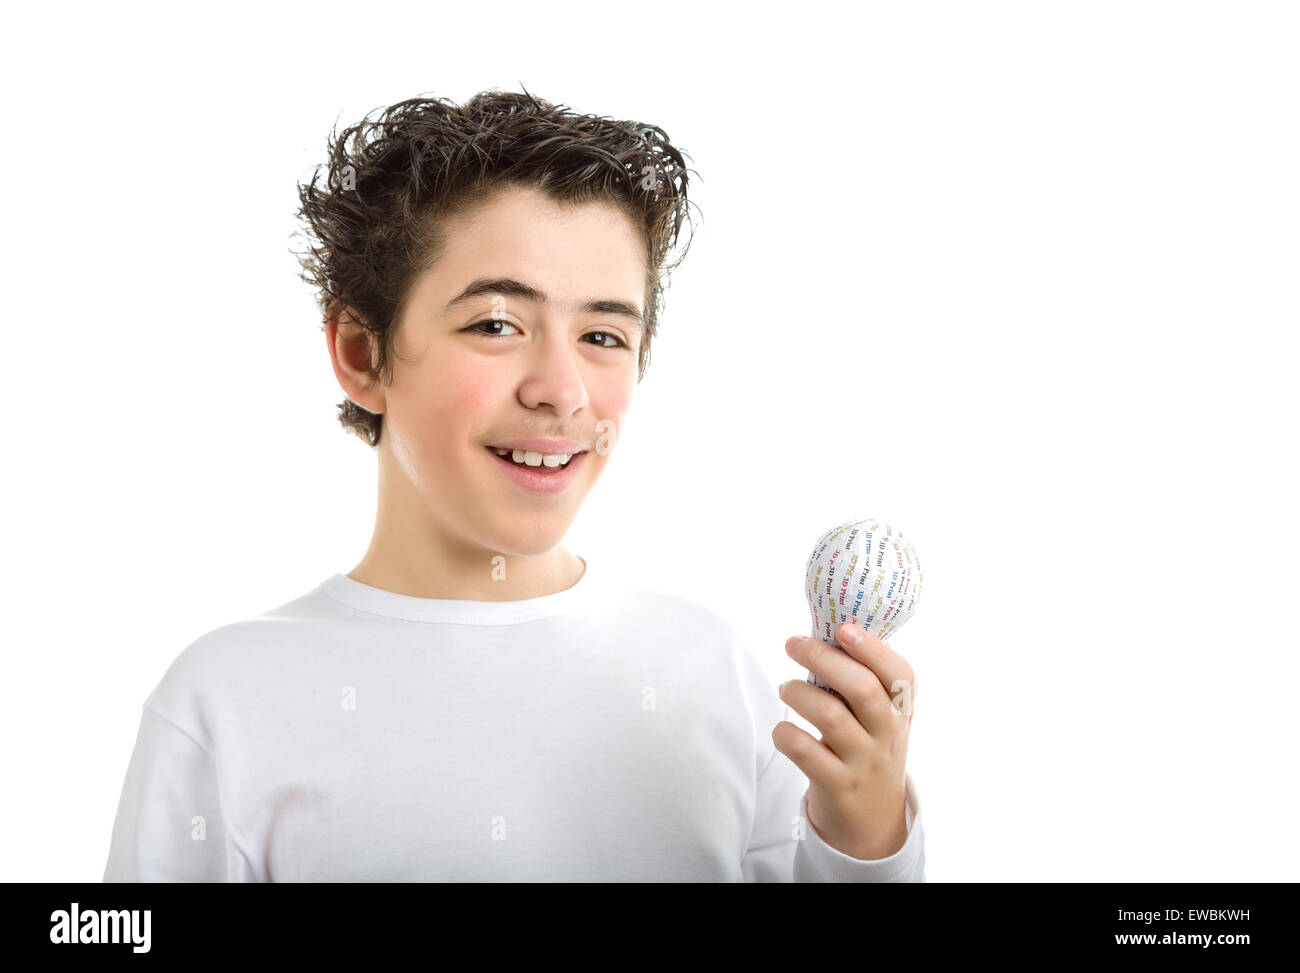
<point>815,649</point>
<point>834,716</point>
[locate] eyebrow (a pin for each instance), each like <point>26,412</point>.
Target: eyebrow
<point>517,288</point>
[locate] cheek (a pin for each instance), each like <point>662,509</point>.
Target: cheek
<point>448,414</point>
<point>611,396</point>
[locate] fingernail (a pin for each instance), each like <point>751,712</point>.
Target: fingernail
<point>791,642</point>
<point>851,634</point>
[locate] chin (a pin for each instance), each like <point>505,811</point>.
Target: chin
<point>517,540</point>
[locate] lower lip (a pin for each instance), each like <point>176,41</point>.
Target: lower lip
<point>530,479</point>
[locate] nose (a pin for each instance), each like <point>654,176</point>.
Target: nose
<point>554,376</point>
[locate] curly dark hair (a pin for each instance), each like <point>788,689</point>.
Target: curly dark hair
<point>390,184</point>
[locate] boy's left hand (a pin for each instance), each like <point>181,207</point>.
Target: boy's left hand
<point>857,771</point>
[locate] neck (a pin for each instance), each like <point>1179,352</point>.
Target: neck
<point>419,551</point>
<point>484,576</point>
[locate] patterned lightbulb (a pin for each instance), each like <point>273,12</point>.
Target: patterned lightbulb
<point>864,572</point>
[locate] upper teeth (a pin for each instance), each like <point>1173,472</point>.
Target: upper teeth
<point>529,458</point>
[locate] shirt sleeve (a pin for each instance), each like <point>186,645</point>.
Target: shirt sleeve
<point>169,825</point>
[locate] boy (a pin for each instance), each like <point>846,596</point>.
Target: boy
<point>473,701</point>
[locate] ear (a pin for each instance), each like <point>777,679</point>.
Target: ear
<point>353,353</point>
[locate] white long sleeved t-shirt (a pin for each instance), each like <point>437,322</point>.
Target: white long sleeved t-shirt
<point>603,733</point>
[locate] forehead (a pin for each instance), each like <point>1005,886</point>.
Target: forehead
<point>523,233</point>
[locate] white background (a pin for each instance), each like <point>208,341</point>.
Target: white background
<point>1019,278</point>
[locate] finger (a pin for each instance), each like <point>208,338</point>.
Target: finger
<point>814,759</point>
<point>839,725</point>
<point>858,685</point>
<point>894,672</point>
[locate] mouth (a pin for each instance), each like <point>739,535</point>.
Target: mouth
<point>538,479</point>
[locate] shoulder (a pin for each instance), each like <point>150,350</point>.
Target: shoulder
<point>677,611</point>
<point>681,620</point>
<point>228,663</point>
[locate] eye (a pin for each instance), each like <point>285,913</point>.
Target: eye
<point>618,342</point>
<point>490,321</point>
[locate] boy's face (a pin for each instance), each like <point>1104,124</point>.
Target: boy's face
<point>499,369</point>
